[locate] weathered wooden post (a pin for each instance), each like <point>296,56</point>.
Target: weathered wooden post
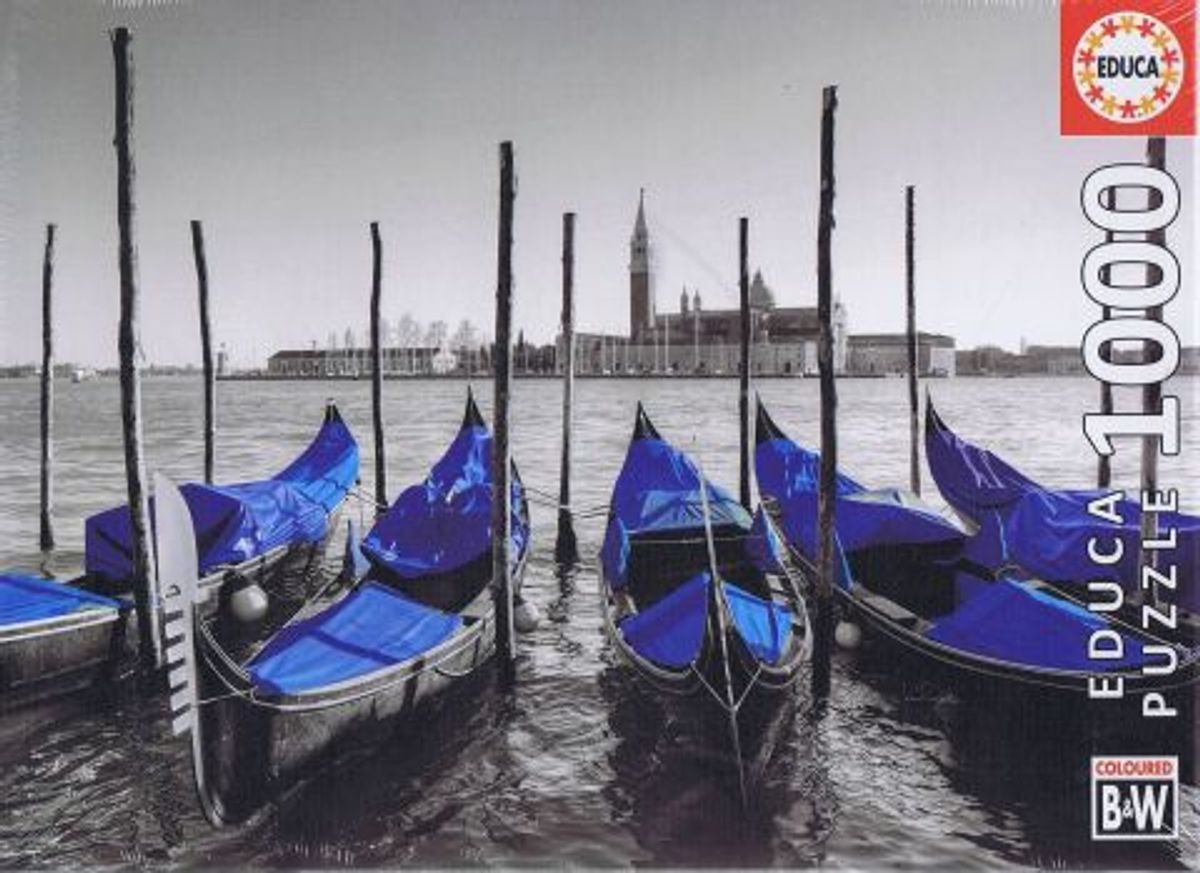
<point>667,342</point>
<point>381,500</point>
<point>914,430</point>
<point>695,334</point>
<point>566,550</point>
<point>145,582</point>
<point>46,536</point>
<point>744,376</point>
<point>1156,157</point>
<point>501,456</point>
<point>210,405</point>
<point>1104,470</point>
<point>823,626</point>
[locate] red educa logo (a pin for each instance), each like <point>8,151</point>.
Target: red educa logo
<point>1127,68</point>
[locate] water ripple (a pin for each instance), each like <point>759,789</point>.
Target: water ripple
<point>579,767</point>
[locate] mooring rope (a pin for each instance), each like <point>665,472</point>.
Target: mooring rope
<point>359,494</point>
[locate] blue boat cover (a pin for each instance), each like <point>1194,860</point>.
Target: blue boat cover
<point>1047,531</point>
<point>614,554</point>
<point>763,546</point>
<point>372,628</point>
<point>445,522</point>
<point>31,598</point>
<point>1011,622</point>
<point>671,632</point>
<point>658,490</point>
<point>234,523</point>
<point>764,626</point>
<point>791,476</point>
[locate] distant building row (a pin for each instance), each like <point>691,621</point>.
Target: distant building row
<point>860,355</point>
<point>1053,360</point>
<point>599,354</point>
<point>695,340</point>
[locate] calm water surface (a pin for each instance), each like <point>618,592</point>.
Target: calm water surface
<point>576,767</point>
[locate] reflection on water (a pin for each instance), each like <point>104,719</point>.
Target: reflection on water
<point>578,766</point>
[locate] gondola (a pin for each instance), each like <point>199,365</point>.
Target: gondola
<point>414,618</point>
<point>57,637</point>
<point>272,532</point>
<point>905,572</point>
<point>1017,522</point>
<point>730,649</point>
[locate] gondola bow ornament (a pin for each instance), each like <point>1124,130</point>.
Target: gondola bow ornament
<point>177,569</point>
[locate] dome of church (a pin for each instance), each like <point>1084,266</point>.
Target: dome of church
<point>761,296</point>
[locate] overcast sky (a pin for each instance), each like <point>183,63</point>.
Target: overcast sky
<point>288,127</point>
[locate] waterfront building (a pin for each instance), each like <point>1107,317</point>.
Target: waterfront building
<point>882,354</point>
<point>356,362</point>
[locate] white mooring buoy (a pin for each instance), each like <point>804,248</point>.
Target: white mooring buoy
<point>526,616</point>
<point>847,634</point>
<point>248,604</point>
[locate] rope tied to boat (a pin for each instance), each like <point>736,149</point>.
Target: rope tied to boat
<point>362,496</point>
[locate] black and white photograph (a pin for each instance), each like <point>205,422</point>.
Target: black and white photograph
<point>599,434</point>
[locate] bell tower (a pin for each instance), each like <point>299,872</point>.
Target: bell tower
<point>641,297</point>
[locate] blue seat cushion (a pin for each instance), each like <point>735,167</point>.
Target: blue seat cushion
<point>30,598</point>
<point>371,628</point>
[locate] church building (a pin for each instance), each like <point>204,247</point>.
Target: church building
<point>692,339</point>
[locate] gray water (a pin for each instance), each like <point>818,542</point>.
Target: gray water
<point>575,767</point>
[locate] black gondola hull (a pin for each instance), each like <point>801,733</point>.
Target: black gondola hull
<point>44,660</point>
<point>762,692</point>
<point>1043,700</point>
<point>47,659</point>
<point>258,746</point>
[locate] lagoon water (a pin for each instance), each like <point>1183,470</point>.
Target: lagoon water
<point>575,768</point>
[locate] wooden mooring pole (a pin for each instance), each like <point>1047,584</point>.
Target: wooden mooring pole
<point>1156,157</point>
<point>823,625</point>
<point>210,403</point>
<point>914,402</point>
<point>145,583</point>
<point>744,375</point>
<point>381,499</point>
<point>501,455</point>
<point>566,548</point>
<point>1104,468</point>
<point>46,535</point>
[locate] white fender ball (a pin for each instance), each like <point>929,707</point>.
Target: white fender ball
<point>847,634</point>
<point>526,617</point>
<point>248,604</point>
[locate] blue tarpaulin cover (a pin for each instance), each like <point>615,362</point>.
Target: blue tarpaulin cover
<point>445,522</point>
<point>765,627</point>
<point>234,523</point>
<point>372,628</point>
<point>670,633</point>
<point>658,489</point>
<point>30,598</point>
<point>791,476</point>
<point>1011,622</point>
<point>614,554</point>
<point>1003,620</point>
<point>763,546</point>
<point>1046,531</point>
